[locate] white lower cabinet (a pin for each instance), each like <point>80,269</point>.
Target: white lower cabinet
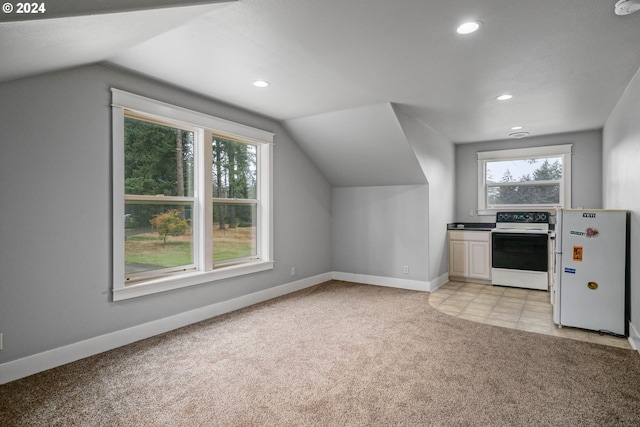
<point>470,255</point>
<point>458,258</point>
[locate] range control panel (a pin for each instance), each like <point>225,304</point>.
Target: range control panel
<point>523,217</point>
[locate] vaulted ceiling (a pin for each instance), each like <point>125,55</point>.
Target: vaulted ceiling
<point>335,67</point>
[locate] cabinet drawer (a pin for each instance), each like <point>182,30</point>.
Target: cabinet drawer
<point>478,236</point>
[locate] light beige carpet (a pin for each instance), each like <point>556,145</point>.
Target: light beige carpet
<point>332,355</point>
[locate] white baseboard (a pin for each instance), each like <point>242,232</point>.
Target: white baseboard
<point>30,365</point>
<point>392,282</point>
<point>634,337</point>
<point>438,281</point>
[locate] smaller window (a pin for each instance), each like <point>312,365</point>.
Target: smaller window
<point>538,177</point>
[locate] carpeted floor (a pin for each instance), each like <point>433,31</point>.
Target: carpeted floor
<point>332,355</point>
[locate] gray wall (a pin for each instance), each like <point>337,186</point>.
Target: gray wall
<point>378,230</point>
<point>436,156</point>
<point>586,164</point>
<point>55,212</point>
<point>621,154</point>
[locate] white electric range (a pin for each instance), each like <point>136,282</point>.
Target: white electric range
<point>520,250</point>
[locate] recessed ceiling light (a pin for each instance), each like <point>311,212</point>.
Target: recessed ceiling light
<point>627,7</point>
<point>469,27</point>
<point>518,135</point>
<point>504,97</point>
<point>517,127</point>
<point>260,83</point>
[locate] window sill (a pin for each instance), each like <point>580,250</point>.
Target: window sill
<point>189,279</point>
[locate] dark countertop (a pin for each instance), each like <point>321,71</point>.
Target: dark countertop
<point>472,226</point>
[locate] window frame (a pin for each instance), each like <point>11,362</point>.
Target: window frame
<point>484,157</point>
<point>205,126</point>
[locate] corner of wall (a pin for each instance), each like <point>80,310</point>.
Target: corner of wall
<point>436,156</point>
<point>634,337</point>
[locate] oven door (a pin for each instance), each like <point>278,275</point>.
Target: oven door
<point>520,251</point>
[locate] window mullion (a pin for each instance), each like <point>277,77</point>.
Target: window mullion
<point>178,200</point>
<point>205,183</point>
<point>234,201</point>
<point>522,183</point>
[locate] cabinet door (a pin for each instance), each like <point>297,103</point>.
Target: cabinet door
<point>458,258</point>
<point>479,260</point>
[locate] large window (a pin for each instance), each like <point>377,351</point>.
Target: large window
<point>538,177</point>
<point>191,197</point>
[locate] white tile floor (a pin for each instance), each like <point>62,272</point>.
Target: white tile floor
<point>525,309</point>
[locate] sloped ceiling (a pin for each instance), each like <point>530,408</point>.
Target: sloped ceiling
<point>566,63</point>
<point>34,46</point>
<point>363,146</point>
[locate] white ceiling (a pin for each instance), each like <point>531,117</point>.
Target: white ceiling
<point>565,62</point>
<point>38,46</point>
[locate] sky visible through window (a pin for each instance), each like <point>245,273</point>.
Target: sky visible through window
<point>517,168</point>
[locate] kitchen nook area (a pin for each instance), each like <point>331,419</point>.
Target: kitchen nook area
<point>505,273</point>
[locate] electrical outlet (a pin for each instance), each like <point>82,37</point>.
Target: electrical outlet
<point>293,271</point>
<point>405,269</point>
<point>0,341</point>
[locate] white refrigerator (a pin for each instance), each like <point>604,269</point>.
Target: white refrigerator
<point>591,280</point>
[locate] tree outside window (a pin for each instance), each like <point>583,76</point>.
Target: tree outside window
<point>192,197</point>
<point>159,163</point>
<point>234,170</point>
<point>535,177</point>
<point>538,187</point>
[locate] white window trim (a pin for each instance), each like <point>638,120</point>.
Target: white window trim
<point>563,151</point>
<point>122,100</point>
